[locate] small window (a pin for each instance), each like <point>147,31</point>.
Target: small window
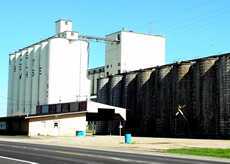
<point>32,73</point>
<point>107,66</point>
<point>66,22</point>
<point>111,65</point>
<point>119,71</point>
<point>118,37</point>
<point>118,64</point>
<point>40,70</point>
<point>72,33</point>
<point>107,73</point>
<point>55,124</point>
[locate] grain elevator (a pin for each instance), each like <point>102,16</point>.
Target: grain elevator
<point>51,71</point>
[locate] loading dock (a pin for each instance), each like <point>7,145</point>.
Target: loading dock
<point>97,117</point>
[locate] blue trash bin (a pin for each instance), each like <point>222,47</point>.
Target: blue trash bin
<point>128,138</point>
<point>80,133</point>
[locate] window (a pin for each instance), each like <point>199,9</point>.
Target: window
<point>40,70</point>
<point>118,64</point>
<point>55,125</point>
<point>66,22</point>
<point>111,65</point>
<point>107,66</point>
<point>118,71</point>
<point>65,107</point>
<point>32,73</point>
<point>118,37</point>
<point>107,73</point>
<point>72,33</point>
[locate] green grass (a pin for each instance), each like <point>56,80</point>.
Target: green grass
<point>212,152</point>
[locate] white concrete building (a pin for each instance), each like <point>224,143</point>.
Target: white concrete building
<point>67,124</point>
<point>134,51</point>
<point>51,71</point>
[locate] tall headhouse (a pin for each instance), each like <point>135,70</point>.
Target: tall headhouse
<point>134,51</point>
<point>50,71</point>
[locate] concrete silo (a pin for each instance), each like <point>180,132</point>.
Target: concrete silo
<point>115,88</point>
<point>164,100</point>
<point>182,99</point>
<point>224,95</point>
<point>35,77</point>
<point>143,102</point>
<point>11,76</point>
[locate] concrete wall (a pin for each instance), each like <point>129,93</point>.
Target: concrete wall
<point>113,55</point>
<point>65,126</point>
<point>135,51</point>
<point>63,25</point>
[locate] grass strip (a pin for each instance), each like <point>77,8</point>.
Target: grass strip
<point>212,152</point>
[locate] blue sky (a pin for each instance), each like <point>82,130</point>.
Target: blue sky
<point>193,29</point>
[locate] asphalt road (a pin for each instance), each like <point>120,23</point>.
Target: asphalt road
<point>20,153</point>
